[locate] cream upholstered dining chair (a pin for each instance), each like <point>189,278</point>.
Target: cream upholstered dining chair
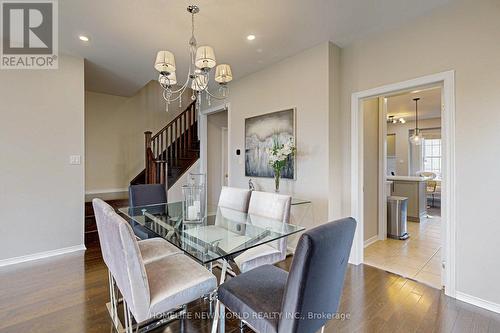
<point>264,206</point>
<point>161,284</point>
<point>232,205</point>
<point>234,198</point>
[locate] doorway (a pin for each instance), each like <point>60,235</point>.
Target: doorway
<point>225,161</point>
<point>217,155</point>
<point>412,176</point>
<point>444,80</point>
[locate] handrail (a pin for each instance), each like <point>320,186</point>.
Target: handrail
<point>173,120</point>
<point>169,145</point>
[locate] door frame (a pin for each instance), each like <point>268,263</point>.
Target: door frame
<point>448,197</point>
<point>203,136</point>
<point>225,145</point>
<point>382,169</point>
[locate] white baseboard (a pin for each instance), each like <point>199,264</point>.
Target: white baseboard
<point>106,190</point>
<point>494,307</point>
<point>41,255</point>
<point>371,240</point>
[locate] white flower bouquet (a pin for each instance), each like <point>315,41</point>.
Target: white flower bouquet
<point>278,156</point>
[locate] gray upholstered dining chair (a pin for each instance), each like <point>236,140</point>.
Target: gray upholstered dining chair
<point>144,195</point>
<point>268,299</point>
<point>264,206</point>
<point>147,194</point>
<point>152,284</point>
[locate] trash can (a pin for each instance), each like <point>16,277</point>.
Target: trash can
<point>396,217</point>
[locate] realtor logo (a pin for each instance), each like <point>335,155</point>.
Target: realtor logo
<point>29,34</point>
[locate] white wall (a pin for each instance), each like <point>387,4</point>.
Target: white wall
<point>175,192</point>
<point>106,126</point>
<point>279,87</point>
<point>41,125</point>
<point>115,127</point>
<point>402,140</point>
<point>370,167</point>
<point>463,36</point>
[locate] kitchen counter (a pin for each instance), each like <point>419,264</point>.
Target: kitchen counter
<point>413,188</point>
<point>409,178</point>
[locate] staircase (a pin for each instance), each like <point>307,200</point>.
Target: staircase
<point>172,151</point>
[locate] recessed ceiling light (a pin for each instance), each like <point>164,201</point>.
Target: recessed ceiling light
<point>250,37</point>
<point>83,38</point>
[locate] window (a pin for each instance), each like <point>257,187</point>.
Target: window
<point>432,156</point>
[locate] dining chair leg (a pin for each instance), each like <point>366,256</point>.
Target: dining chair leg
<point>223,272</point>
<point>219,307</point>
<point>323,329</point>
<point>216,317</point>
<point>130,322</point>
<point>113,299</point>
<point>222,315</point>
<point>125,316</point>
<point>111,302</point>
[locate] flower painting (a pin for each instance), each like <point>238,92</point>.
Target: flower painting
<point>264,132</point>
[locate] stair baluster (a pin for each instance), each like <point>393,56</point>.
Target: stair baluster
<point>171,151</point>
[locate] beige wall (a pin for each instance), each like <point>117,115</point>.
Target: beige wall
<point>114,128</point>
<point>277,88</point>
<point>401,132</point>
<point>370,167</point>
<point>215,123</point>
<point>41,125</point>
<point>463,37</point>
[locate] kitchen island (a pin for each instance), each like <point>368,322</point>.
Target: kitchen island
<point>414,188</point>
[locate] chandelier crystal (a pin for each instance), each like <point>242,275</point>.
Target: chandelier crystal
<point>202,61</point>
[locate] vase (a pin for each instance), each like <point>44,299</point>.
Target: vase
<point>277,181</point>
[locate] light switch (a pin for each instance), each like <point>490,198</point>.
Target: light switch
<point>75,159</point>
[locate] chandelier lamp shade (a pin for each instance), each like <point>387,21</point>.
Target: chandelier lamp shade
<point>416,138</point>
<point>205,58</point>
<point>167,80</point>
<point>223,74</point>
<point>165,62</point>
<point>201,65</point>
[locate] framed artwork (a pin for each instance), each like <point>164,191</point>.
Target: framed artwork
<point>260,135</point>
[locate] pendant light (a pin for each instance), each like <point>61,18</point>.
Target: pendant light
<point>416,138</point>
<point>201,63</point>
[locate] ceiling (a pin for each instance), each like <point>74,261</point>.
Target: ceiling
<point>126,34</point>
<point>403,105</point>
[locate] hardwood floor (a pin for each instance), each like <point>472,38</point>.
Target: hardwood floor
<point>68,293</point>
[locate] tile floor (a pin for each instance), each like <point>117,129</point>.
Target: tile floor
<point>418,257</point>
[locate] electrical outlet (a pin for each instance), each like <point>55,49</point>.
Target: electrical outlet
<point>75,159</point>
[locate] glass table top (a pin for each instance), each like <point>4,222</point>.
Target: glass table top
<point>222,234</point>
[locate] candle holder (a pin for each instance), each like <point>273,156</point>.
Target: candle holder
<point>193,209</point>
<point>200,179</point>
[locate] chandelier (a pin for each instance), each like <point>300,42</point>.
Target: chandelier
<point>394,120</point>
<point>202,61</point>
<point>417,137</point>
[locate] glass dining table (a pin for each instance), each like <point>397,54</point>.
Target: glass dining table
<point>218,238</point>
